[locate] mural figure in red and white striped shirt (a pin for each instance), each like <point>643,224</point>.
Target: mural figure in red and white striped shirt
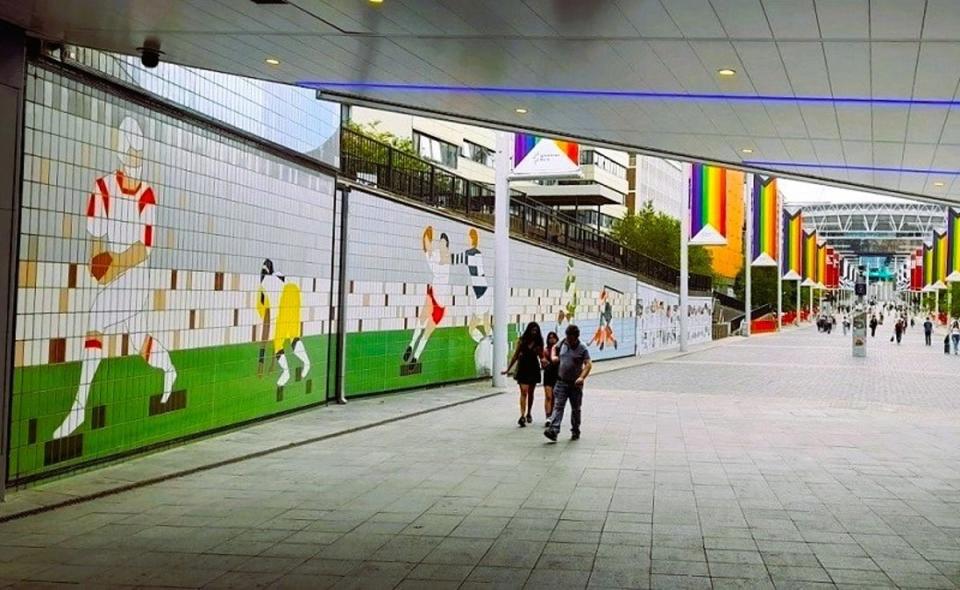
<point>121,213</point>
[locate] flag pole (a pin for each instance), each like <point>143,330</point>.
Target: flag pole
<point>684,256</point>
<point>747,252</point>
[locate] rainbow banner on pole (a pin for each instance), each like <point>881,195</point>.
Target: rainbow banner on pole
<point>939,260</point>
<point>765,207</point>
<point>542,157</point>
<point>708,205</point>
<point>821,265</point>
<point>953,245</point>
<point>809,259</point>
<point>792,259</point>
<point>928,273</point>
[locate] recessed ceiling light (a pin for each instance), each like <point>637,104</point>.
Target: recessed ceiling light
<point>938,183</point>
<point>726,72</point>
<point>746,151</point>
<point>272,61</point>
<point>520,111</point>
<point>376,1</point>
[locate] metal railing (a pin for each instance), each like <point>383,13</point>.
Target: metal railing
<point>372,162</point>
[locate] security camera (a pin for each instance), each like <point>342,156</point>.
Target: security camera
<point>150,53</point>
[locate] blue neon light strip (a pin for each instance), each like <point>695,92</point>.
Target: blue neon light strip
<point>783,164</point>
<point>629,94</point>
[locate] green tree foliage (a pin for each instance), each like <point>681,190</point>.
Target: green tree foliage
<point>369,156</point>
<point>657,235</point>
<point>763,282</point>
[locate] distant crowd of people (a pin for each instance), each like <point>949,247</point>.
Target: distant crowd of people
<point>902,320</point>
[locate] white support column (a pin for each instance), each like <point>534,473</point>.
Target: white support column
<point>747,252</point>
<point>779,239</point>
<point>684,257</point>
<point>811,303</point>
<point>501,277</point>
<point>799,289</point>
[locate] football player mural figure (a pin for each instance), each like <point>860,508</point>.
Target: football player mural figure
<point>121,214</point>
<point>604,334</point>
<point>276,293</point>
<point>437,253</point>
<point>479,320</point>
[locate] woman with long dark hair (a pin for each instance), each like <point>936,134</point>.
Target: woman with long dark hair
<point>527,356</point>
<point>549,374</point>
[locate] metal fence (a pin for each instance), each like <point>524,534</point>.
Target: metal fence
<point>369,161</point>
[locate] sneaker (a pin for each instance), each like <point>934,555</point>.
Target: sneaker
<point>550,434</point>
<point>547,423</point>
<point>575,436</point>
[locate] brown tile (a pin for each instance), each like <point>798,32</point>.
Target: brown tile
<point>193,319</point>
<point>28,274</point>
<point>236,317</point>
<point>19,353</point>
<point>72,276</point>
<point>177,401</point>
<point>218,281</point>
<point>58,350</point>
<point>64,301</point>
<point>173,280</point>
<point>159,300</point>
<point>125,345</point>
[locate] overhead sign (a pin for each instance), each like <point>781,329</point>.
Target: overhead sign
<point>542,157</point>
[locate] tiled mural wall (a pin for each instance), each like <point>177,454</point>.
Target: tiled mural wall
<point>171,280</point>
<point>421,298</point>
<point>658,319</point>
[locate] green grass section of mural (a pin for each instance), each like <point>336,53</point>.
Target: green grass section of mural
<point>374,360</point>
<point>221,384</point>
<point>222,388</point>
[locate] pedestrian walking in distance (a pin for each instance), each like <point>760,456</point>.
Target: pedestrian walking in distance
<point>573,367</point>
<point>898,330</point>
<point>527,357</point>
<point>873,326</point>
<point>927,331</point>
<point>955,336</point>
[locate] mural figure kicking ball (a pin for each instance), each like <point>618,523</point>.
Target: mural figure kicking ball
<point>604,334</point>
<point>438,292</point>
<point>277,293</point>
<point>121,214</point>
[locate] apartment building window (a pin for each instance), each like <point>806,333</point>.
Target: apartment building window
<point>477,153</point>
<point>593,158</point>
<point>435,150</point>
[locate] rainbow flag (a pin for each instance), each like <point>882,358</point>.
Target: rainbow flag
<point>940,259</point>
<point>541,157</point>
<point>821,265</point>
<point>765,219</point>
<point>708,205</point>
<point>792,259</point>
<point>809,259</point>
<point>928,273</point>
<point>953,245</point>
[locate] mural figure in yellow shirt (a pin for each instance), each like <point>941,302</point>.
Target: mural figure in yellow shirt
<point>277,296</point>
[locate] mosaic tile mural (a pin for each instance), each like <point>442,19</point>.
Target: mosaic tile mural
<point>422,314</point>
<point>658,319</point>
<point>171,280</point>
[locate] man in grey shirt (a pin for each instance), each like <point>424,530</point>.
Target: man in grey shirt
<point>574,366</point>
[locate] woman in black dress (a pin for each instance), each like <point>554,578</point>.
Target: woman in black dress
<point>527,357</point>
<point>550,377</point>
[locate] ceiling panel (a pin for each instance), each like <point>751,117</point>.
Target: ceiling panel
<point>830,49</point>
<point>792,19</point>
<point>844,19</point>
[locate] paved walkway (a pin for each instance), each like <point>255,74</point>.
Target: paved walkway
<point>777,461</point>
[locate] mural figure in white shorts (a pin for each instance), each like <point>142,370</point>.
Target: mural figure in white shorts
<point>121,214</point>
<point>479,320</point>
